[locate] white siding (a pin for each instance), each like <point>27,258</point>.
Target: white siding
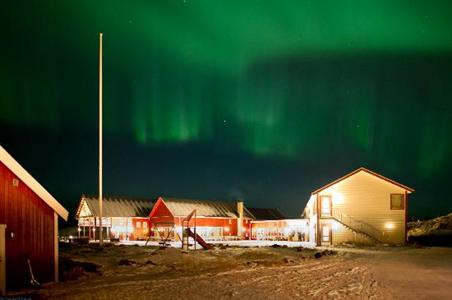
<point>366,198</point>
<point>311,215</point>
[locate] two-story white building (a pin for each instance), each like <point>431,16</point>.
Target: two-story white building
<point>360,207</point>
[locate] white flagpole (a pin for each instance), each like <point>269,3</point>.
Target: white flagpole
<point>100,140</point>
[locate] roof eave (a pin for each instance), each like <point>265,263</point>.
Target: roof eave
<point>408,189</point>
<point>32,183</point>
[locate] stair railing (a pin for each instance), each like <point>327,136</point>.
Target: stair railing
<point>358,225</point>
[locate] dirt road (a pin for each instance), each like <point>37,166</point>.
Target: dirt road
<point>424,273</point>
<point>268,273</point>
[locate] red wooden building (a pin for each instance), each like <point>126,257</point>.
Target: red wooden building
<point>29,215</point>
<point>214,220</point>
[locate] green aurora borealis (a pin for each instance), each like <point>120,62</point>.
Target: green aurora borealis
<point>299,92</point>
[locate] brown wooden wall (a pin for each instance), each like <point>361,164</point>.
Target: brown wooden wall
<point>31,221</point>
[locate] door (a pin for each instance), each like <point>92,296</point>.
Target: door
<point>2,261</point>
<point>326,234</point>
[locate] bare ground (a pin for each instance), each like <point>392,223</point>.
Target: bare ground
<point>259,273</point>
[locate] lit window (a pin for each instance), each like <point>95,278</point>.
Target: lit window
<point>138,224</point>
<point>397,201</point>
<point>15,182</point>
<point>145,225</point>
<point>325,205</point>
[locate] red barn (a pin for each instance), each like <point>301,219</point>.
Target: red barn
<point>214,220</point>
<point>28,227</point>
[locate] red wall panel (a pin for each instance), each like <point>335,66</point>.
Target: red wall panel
<point>161,214</point>
<point>29,232</point>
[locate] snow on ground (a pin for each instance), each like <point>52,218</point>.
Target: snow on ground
<point>258,273</point>
<point>251,243</point>
<point>419,273</point>
<point>245,243</point>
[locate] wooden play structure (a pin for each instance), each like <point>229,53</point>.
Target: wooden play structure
<point>166,233</point>
<point>187,233</point>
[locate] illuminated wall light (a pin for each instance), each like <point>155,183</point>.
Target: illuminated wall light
<point>226,229</point>
<point>389,225</point>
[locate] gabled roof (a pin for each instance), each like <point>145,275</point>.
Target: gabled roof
<point>204,208</point>
<point>34,185</point>
<point>266,213</point>
<point>362,169</point>
<point>114,207</point>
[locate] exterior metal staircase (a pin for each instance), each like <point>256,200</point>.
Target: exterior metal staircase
<point>359,226</point>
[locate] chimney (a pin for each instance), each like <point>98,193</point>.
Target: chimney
<point>240,217</point>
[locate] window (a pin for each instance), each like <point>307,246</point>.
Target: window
<point>145,225</point>
<point>325,204</point>
<point>397,201</point>
<point>138,224</point>
<point>15,182</point>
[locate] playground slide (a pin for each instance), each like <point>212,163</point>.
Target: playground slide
<point>198,239</point>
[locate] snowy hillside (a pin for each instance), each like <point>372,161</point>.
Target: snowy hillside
<point>436,231</point>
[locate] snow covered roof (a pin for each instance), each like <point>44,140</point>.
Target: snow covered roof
<point>362,169</point>
<point>205,208</point>
<point>266,213</point>
<point>114,207</point>
<point>34,185</point>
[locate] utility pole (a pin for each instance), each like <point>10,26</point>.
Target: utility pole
<point>100,140</point>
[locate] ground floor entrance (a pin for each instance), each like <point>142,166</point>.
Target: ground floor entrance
<point>326,234</point>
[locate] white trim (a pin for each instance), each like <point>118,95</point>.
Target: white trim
<point>357,171</point>
<point>2,261</point>
<point>23,175</point>
<point>83,207</point>
<point>55,246</point>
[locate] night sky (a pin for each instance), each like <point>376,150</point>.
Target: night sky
<point>262,100</point>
